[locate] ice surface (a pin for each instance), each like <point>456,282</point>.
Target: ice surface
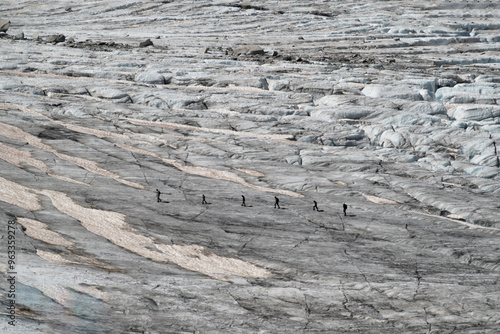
<point>390,107</point>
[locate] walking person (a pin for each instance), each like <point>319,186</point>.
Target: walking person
<point>203,200</point>
<point>158,193</point>
<point>243,201</point>
<point>276,202</point>
<point>345,209</point>
<point>315,207</point>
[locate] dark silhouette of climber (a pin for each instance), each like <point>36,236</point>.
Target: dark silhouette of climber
<point>276,202</point>
<point>158,193</point>
<point>203,200</point>
<point>243,201</point>
<point>345,209</point>
<point>315,207</point>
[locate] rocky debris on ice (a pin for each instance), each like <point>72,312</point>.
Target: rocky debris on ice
<point>4,25</point>
<point>19,37</point>
<point>59,38</point>
<point>146,43</point>
<point>249,50</point>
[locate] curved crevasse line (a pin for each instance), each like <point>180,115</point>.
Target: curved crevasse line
<point>195,170</point>
<point>76,128</point>
<point>282,138</point>
<point>229,176</point>
<point>19,134</point>
<point>210,172</point>
<point>456,221</point>
<point>16,157</point>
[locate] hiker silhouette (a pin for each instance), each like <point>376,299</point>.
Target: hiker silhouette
<point>276,202</point>
<point>243,201</point>
<point>315,207</point>
<point>203,200</point>
<point>158,193</point>
<point>345,209</point>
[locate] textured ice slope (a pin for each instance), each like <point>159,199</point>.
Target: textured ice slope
<point>388,106</point>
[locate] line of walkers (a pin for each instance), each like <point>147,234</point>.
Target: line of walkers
<point>243,203</point>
